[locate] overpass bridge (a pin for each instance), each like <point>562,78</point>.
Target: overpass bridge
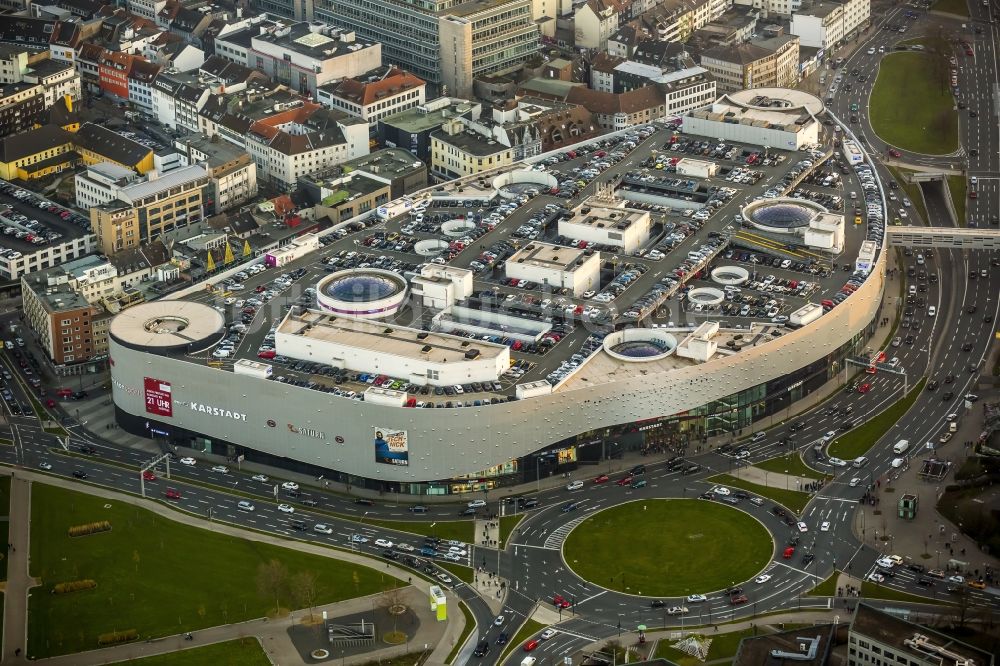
<point>944,237</point>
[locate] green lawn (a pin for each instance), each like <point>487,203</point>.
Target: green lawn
<point>873,590</point>
<point>827,588</point>
<point>529,629</point>
<point>956,7</point>
<point>795,500</point>
<point>857,442</point>
<point>155,575</point>
<point>673,548</point>
<point>958,187</point>
<point>909,109</point>
<point>240,652</point>
<point>461,572</point>
<point>792,464</point>
<point>470,626</point>
<point>723,646</point>
<point>459,530</point>
<point>507,525</point>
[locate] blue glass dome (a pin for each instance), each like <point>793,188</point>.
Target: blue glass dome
<point>640,348</point>
<point>362,288</point>
<point>783,215</point>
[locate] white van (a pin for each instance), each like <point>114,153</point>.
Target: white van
<point>860,461</point>
<point>897,462</point>
<point>901,446</point>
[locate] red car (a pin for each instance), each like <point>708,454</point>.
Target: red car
<point>260,289</point>
<point>172,494</point>
<point>788,552</point>
<point>864,388</point>
<point>267,353</point>
<point>50,403</point>
<point>531,645</point>
<point>148,476</point>
<point>625,480</point>
<point>895,153</point>
<point>559,601</point>
<point>738,599</point>
<point>973,194</point>
<point>64,392</point>
<point>603,478</point>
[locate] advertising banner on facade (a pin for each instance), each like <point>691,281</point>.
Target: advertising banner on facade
<point>391,447</point>
<point>159,399</point>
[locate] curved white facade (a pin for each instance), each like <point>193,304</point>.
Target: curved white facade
<point>337,433</point>
<point>360,299</point>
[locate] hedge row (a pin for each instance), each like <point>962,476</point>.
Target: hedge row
<point>90,528</point>
<point>74,586</point>
<point>117,637</point>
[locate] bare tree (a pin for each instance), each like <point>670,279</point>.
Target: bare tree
<point>304,590</point>
<point>272,577</point>
<point>393,603</point>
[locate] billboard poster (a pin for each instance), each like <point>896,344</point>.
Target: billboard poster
<point>391,447</point>
<point>159,399</point>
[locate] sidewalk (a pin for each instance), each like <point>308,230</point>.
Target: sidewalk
<point>929,539</point>
<point>277,643</point>
<point>19,583</point>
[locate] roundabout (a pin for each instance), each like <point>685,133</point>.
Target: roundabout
<point>668,547</point>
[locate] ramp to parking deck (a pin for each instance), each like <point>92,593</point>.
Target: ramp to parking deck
<point>945,237</point>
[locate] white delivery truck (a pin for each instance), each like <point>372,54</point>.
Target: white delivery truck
<point>901,446</point>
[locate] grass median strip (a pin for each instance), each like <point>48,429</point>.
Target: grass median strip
<point>459,571</point>
<point>790,463</point>
<point>470,626</point>
<point>827,588</point>
<point>141,587</point>
<point>507,526</point>
<point>530,629</point>
<point>857,442</point>
<point>795,500</point>
<point>872,590</point>
<point>959,191</point>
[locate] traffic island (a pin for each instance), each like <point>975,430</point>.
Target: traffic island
<point>668,547</point>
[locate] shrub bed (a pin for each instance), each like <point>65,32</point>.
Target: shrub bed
<point>74,586</point>
<point>117,637</point>
<point>90,528</point>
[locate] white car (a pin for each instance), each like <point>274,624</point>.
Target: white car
<point>188,461</point>
<point>854,482</point>
<point>452,557</point>
<point>445,578</point>
<point>956,579</point>
<point>405,547</point>
<point>696,598</point>
<point>221,469</point>
<point>547,634</point>
<point>458,550</point>
<point>721,490</point>
<point>289,485</point>
<point>499,621</point>
<point>837,462</point>
<point>575,485</point>
<point>802,527</point>
<point>286,508</point>
<point>877,577</point>
<point>477,504</point>
<point>260,477</point>
<point>897,462</point>
<point>383,543</point>
<point>763,578</point>
<point>824,526</point>
<point>358,538</point>
<point>677,610</point>
<point>322,528</point>
<point>740,455</point>
<point>885,563</point>
<point>44,465</point>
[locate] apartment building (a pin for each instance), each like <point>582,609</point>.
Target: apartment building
<point>412,129</point>
<point>444,42</point>
<point>374,95</point>
<point>63,323</point>
<point>126,211</point>
<point>828,24</point>
<point>761,63</point>
<point>232,172</point>
<point>304,56</point>
<point>96,143</point>
<point>457,152</point>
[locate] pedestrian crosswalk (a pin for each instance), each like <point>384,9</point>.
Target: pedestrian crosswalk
<point>554,540</point>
